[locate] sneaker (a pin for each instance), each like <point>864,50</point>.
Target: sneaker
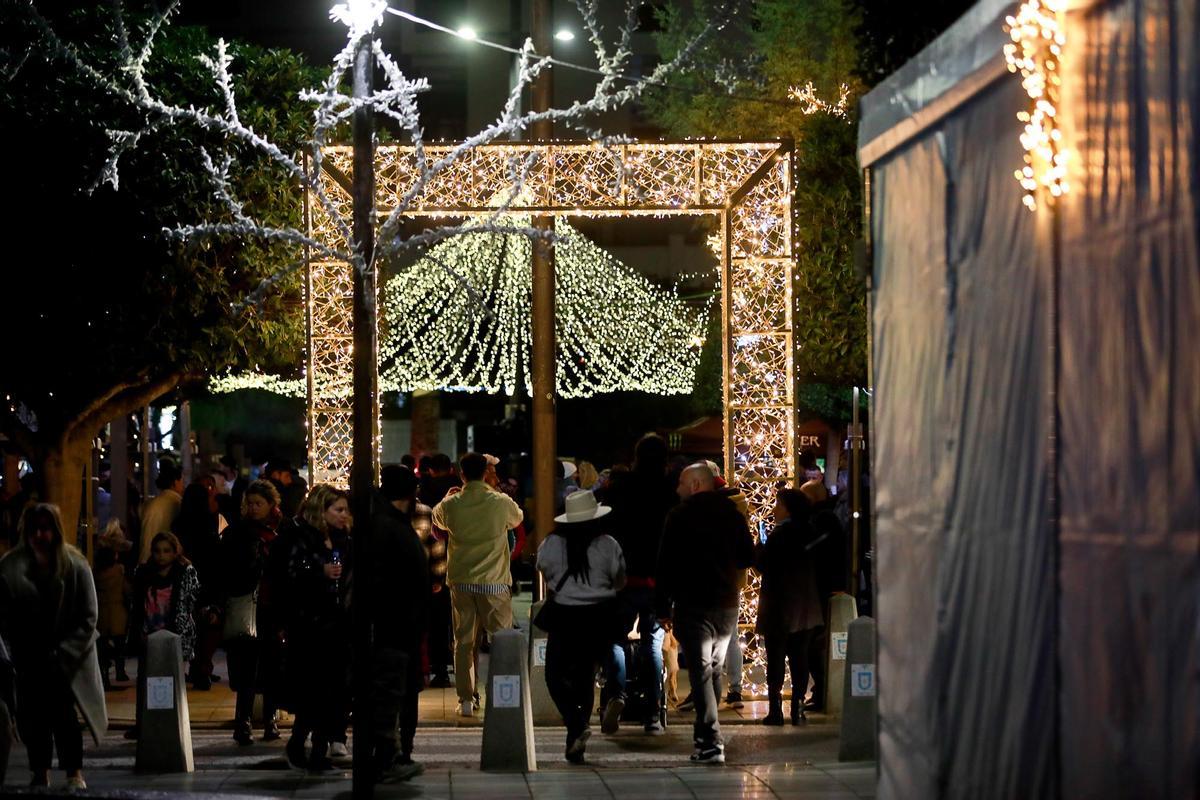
<point>131,733</point>
<point>466,709</point>
<point>687,704</point>
<point>402,769</point>
<point>270,731</point>
<point>577,748</point>
<point>440,682</point>
<point>611,721</point>
<point>338,750</point>
<point>655,728</point>
<point>734,700</point>
<point>76,784</point>
<point>709,754</point>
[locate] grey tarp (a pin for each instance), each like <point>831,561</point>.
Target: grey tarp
<point>1037,407</point>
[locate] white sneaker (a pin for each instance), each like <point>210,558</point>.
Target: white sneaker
<point>466,709</point>
<point>338,750</point>
<point>76,784</point>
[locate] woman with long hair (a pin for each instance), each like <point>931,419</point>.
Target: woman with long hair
<point>789,608</point>
<point>319,571</point>
<point>48,613</point>
<point>585,568</point>
<point>250,643</point>
<point>164,594</point>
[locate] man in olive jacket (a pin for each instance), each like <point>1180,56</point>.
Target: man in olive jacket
<point>478,519</point>
<point>397,595</point>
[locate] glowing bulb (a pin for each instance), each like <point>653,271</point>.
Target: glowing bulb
<point>467,32</point>
<point>564,35</point>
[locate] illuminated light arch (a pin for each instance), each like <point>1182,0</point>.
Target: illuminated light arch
<point>745,186</point>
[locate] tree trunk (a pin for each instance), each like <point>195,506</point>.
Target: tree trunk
<point>63,479</point>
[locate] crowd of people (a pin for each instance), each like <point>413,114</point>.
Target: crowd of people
<point>639,558</point>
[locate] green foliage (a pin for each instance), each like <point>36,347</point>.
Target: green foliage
<point>793,42</point>
<point>97,291</point>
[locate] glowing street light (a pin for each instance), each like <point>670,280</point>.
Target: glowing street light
<point>564,35</point>
<point>466,32</point>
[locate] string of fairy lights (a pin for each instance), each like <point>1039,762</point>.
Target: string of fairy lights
<point>1038,33</point>
<point>615,329</point>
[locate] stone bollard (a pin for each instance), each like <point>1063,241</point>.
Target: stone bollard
<point>544,710</point>
<point>508,718</point>
<point>842,610</point>
<point>860,697</point>
<point>165,732</point>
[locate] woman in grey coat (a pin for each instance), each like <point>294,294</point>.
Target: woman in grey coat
<point>48,613</point>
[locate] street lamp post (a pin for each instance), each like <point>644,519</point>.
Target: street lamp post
<point>366,398</point>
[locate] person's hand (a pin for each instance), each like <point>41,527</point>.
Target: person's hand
<point>665,623</point>
<point>437,587</point>
<point>333,571</point>
<point>453,490</point>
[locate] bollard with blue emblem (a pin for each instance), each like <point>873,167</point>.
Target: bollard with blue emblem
<point>860,694</point>
<point>165,731</point>
<point>508,718</point>
<point>544,710</point>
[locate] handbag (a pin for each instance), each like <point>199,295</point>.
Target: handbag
<point>552,615</point>
<point>241,614</point>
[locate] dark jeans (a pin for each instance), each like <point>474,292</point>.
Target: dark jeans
<point>440,655</point>
<point>794,647</point>
<point>111,650</point>
<point>46,720</point>
<point>704,638</point>
<point>572,654</point>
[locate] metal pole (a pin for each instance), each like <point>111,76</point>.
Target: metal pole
<point>147,480</point>
<point>366,403</point>
<point>545,448</point>
<point>118,469</point>
<point>185,442</point>
<point>855,494</point>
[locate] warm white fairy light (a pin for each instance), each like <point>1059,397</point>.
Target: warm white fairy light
<point>275,384</point>
<point>811,103</point>
<point>616,331</point>
<point>1038,34</point>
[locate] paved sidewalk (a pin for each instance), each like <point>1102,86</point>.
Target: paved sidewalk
<point>763,763</point>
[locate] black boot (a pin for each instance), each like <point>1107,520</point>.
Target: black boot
<point>241,732</point>
<point>775,712</point>
<point>798,709</point>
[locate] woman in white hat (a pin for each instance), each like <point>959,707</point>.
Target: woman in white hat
<point>584,569</point>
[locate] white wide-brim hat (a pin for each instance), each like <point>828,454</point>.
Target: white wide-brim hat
<point>569,469</point>
<point>582,507</point>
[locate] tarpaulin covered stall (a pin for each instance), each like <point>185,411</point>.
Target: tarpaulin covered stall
<point>1036,448</point>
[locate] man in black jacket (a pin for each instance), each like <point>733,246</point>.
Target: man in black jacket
<point>705,546</point>
<point>397,596</point>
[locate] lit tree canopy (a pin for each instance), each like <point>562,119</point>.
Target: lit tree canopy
<point>616,330</point>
